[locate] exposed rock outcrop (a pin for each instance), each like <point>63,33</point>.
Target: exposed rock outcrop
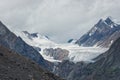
<point>57,54</point>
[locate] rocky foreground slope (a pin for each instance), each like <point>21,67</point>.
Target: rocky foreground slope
<point>16,67</point>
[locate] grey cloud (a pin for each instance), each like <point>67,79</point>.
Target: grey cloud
<point>59,19</point>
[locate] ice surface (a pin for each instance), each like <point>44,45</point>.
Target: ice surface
<point>76,54</point>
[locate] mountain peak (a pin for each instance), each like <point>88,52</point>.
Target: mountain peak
<point>30,34</point>
<point>98,33</point>
<point>109,21</point>
<point>109,17</point>
<point>26,32</point>
<point>100,23</point>
<point>34,34</point>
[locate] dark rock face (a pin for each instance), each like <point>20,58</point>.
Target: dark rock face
<point>57,54</point>
<point>106,67</point>
<point>109,40</point>
<point>100,33</point>
<point>70,70</point>
<point>63,69</point>
<point>11,41</point>
<point>16,67</point>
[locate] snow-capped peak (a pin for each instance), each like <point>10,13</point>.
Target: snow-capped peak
<point>102,25</point>
<point>34,35</point>
<point>109,21</point>
<point>36,39</point>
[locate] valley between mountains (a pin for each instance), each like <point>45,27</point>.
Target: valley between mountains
<point>32,56</point>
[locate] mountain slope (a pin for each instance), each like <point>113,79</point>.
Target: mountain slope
<point>16,67</point>
<point>11,41</point>
<point>106,67</point>
<point>100,34</point>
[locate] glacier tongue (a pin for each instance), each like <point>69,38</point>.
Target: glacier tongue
<point>76,53</point>
<point>85,53</point>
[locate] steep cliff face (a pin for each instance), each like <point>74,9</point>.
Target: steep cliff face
<point>16,67</point>
<point>102,32</point>
<point>11,41</point>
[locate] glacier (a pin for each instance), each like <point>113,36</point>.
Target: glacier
<point>76,53</point>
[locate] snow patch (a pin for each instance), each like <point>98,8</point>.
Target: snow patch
<point>112,26</point>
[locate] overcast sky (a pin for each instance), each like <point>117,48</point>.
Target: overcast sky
<point>61,20</point>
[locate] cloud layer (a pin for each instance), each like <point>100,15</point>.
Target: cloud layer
<point>59,19</point>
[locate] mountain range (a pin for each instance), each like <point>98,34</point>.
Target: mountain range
<point>26,57</point>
